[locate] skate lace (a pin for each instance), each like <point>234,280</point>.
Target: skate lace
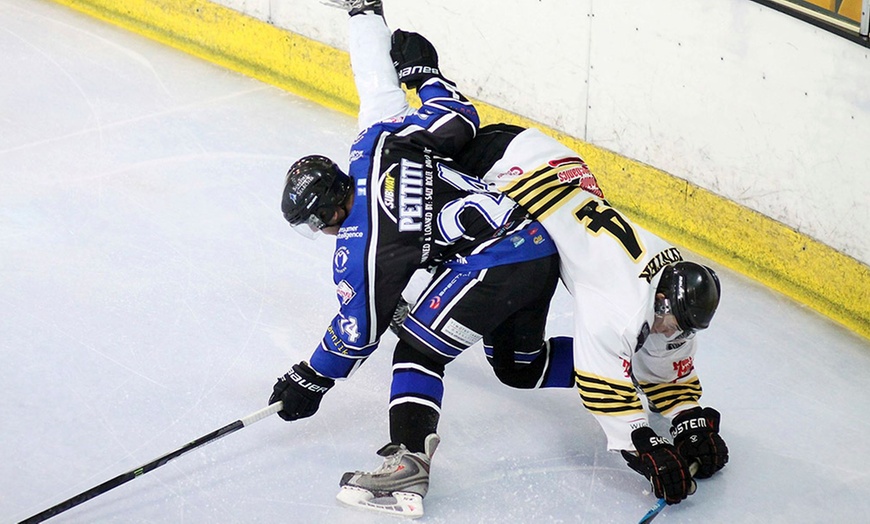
<point>391,462</point>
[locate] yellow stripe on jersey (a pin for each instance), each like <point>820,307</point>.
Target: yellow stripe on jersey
<point>604,396</point>
<point>663,398</point>
<point>542,191</point>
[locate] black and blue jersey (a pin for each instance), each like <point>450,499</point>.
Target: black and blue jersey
<point>414,208</point>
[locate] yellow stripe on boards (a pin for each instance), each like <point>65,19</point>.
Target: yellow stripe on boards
<point>804,269</point>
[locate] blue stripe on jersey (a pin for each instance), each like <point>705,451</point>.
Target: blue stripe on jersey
<point>431,340</point>
<point>334,365</point>
<point>411,382</point>
<point>530,243</point>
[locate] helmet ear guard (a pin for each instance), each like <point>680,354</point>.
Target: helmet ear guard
<point>691,294</point>
<point>315,186</point>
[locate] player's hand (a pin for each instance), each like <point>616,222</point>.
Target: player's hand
<point>414,58</point>
<point>659,461</point>
<point>696,437</point>
<point>301,390</point>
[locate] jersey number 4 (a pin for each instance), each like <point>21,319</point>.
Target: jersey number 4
<point>597,216</point>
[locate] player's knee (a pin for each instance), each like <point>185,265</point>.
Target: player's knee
<point>521,376</point>
<point>406,353</point>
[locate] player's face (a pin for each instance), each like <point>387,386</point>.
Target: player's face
<point>666,325</point>
<point>333,224</point>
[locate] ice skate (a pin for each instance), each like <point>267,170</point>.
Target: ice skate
<point>354,7</point>
<point>397,487</point>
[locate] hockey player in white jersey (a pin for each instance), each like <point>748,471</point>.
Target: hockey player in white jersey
<point>637,307</point>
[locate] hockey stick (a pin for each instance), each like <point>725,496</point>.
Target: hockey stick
<point>154,464</point>
<point>660,503</point>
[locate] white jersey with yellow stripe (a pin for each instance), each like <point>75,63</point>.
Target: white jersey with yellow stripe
<point>611,268</point>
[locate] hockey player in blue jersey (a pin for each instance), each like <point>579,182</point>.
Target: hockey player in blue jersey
<point>403,206</point>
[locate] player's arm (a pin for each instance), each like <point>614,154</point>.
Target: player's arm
<point>668,378</point>
<point>603,374</point>
<point>446,121</point>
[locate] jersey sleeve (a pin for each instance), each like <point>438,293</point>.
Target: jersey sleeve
<point>602,360</point>
<point>450,119</point>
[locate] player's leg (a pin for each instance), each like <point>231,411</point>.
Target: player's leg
<point>516,349</point>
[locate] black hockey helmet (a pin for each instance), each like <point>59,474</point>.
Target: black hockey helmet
<point>691,294</point>
<point>314,188</point>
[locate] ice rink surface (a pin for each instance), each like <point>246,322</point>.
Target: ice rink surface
<point>151,292</point>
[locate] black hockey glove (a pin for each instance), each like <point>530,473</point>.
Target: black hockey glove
<point>301,390</point>
<point>658,461</point>
<point>696,437</point>
<point>399,315</point>
<point>414,58</point>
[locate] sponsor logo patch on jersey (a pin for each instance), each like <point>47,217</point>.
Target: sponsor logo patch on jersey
<point>345,292</point>
<point>512,172</point>
<point>339,260</point>
<point>575,171</point>
<point>349,232</point>
<point>461,333</point>
<point>389,190</point>
<point>684,367</point>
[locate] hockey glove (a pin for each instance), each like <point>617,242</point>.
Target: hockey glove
<point>658,461</point>
<point>696,437</point>
<point>300,390</point>
<point>414,58</point>
<point>403,309</point>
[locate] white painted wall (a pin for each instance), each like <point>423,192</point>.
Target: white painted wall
<point>747,102</point>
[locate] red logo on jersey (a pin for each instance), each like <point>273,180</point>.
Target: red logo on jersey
<point>684,367</point>
<point>626,368</point>
<point>579,174</point>
<point>435,303</point>
<point>512,172</point>
<point>562,161</point>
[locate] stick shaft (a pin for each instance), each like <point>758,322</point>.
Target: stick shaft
<point>660,503</point>
<point>154,464</point>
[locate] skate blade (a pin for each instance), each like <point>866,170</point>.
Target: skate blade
<point>400,504</point>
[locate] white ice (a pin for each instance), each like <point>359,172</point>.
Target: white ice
<point>151,292</point>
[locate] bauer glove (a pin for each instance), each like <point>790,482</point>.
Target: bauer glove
<point>696,437</point>
<point>300,390</point>
<point>658,461</point>
<point>414,58</point>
